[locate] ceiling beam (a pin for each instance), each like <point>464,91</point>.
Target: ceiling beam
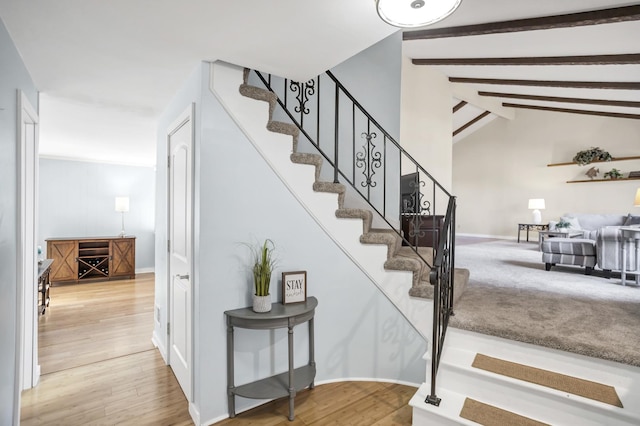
<point>630,104</point>
<point>630,58</point>
<point>574,111</point>
<point>472,122</point>
<point>459,105</point>
<point>596,17</point>
<point>615,85</point>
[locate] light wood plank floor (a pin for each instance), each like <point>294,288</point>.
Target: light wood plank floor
<point>100,368</point>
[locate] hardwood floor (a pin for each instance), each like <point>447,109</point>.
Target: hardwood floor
<point>100,368</point>
<point>343,403</point>
<point>97,361</point>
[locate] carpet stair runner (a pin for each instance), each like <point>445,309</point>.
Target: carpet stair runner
<point>399,258</point>
<point>492,381</point>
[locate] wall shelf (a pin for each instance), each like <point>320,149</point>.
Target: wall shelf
<point>593,162</point>
<point>601,180</point>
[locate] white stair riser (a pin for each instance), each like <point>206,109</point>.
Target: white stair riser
<point>621,376</point>
<point>546,405</point>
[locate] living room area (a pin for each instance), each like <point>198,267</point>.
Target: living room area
<point>496,171</point>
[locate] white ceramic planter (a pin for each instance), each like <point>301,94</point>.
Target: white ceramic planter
<point>262,303</point>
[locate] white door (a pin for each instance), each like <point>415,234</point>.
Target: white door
<point>180,139</point>
<point>27,259</point>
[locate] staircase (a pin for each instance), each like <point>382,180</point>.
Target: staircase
<point>397,270</point>
<point>481,379</point>
<point>492,381</point>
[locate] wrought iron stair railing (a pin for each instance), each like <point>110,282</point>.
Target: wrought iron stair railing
<point>363,156</point>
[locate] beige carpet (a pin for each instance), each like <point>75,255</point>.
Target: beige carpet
<point>488,415</point>
<point>510,295</point>
<point>550,379</point>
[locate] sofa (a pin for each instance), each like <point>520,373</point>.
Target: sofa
<point>603,230</point>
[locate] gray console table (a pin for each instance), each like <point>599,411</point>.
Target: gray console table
<point>284,384</point>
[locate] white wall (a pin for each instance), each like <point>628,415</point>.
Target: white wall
<point>239,199</point>
<point>77,199</point>
<point>14,76</point>
<point>498,168</point>
<point>425,125</point>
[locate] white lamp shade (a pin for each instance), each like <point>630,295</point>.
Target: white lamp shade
<point>122,204</point>
<point>636,202</point>
<point>536,204</point>
<point>415,13</point>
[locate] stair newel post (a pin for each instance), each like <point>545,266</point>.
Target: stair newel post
<point>336,135</point>
<point>435,337</point>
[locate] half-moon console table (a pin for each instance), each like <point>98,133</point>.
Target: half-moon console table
<point>284,384</point>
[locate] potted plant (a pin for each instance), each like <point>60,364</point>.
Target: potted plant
<point>563,226</point>
<point>613,174</point>
<point>263,265</point>
<point>593,154</point>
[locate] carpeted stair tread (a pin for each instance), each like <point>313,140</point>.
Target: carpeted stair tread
<point>259,94</point>
<point>390,239</point>
<point>334,188</point>
<point>576,386</point>
<point>488,415</point>
<point>284,128</point>
<point>425,252</point>
<point>365,215</point>
<point>424,288</point>
<point>308,159</point>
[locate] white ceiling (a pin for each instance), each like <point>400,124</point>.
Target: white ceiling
<point>107,69</point>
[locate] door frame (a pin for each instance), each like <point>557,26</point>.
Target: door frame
<point>186,116</point>
<point>27,368</point>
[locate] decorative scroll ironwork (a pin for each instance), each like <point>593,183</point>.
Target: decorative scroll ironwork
<point>372,160</point>
<point>303,92</point>
<point>368,160</point>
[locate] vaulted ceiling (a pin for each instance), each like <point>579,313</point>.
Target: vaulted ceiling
<point>562,59</point>
<point>106,70</point>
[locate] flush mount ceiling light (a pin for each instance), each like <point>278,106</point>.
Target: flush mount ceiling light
<point>415,13</point>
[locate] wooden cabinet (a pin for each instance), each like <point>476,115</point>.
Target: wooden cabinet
<point>422,230</point>
<point>76,259</point>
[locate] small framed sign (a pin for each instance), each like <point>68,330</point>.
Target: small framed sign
<point>294,287</point>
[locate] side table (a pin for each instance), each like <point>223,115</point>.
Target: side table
<point>542,235</point>
<point>531,227</point>
<point>630,235</point>
<point>284,384</point>
<point>42,287</point>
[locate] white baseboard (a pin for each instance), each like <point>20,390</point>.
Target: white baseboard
<point>155,340</point>
<point>145,270</point>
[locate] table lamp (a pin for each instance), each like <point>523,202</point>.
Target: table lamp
<point>536,204</point>
<point>122,206</point>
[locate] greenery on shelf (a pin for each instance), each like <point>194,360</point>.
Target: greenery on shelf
<point>593,154</point>
<point>613,174</point>
<point>263,265</point>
